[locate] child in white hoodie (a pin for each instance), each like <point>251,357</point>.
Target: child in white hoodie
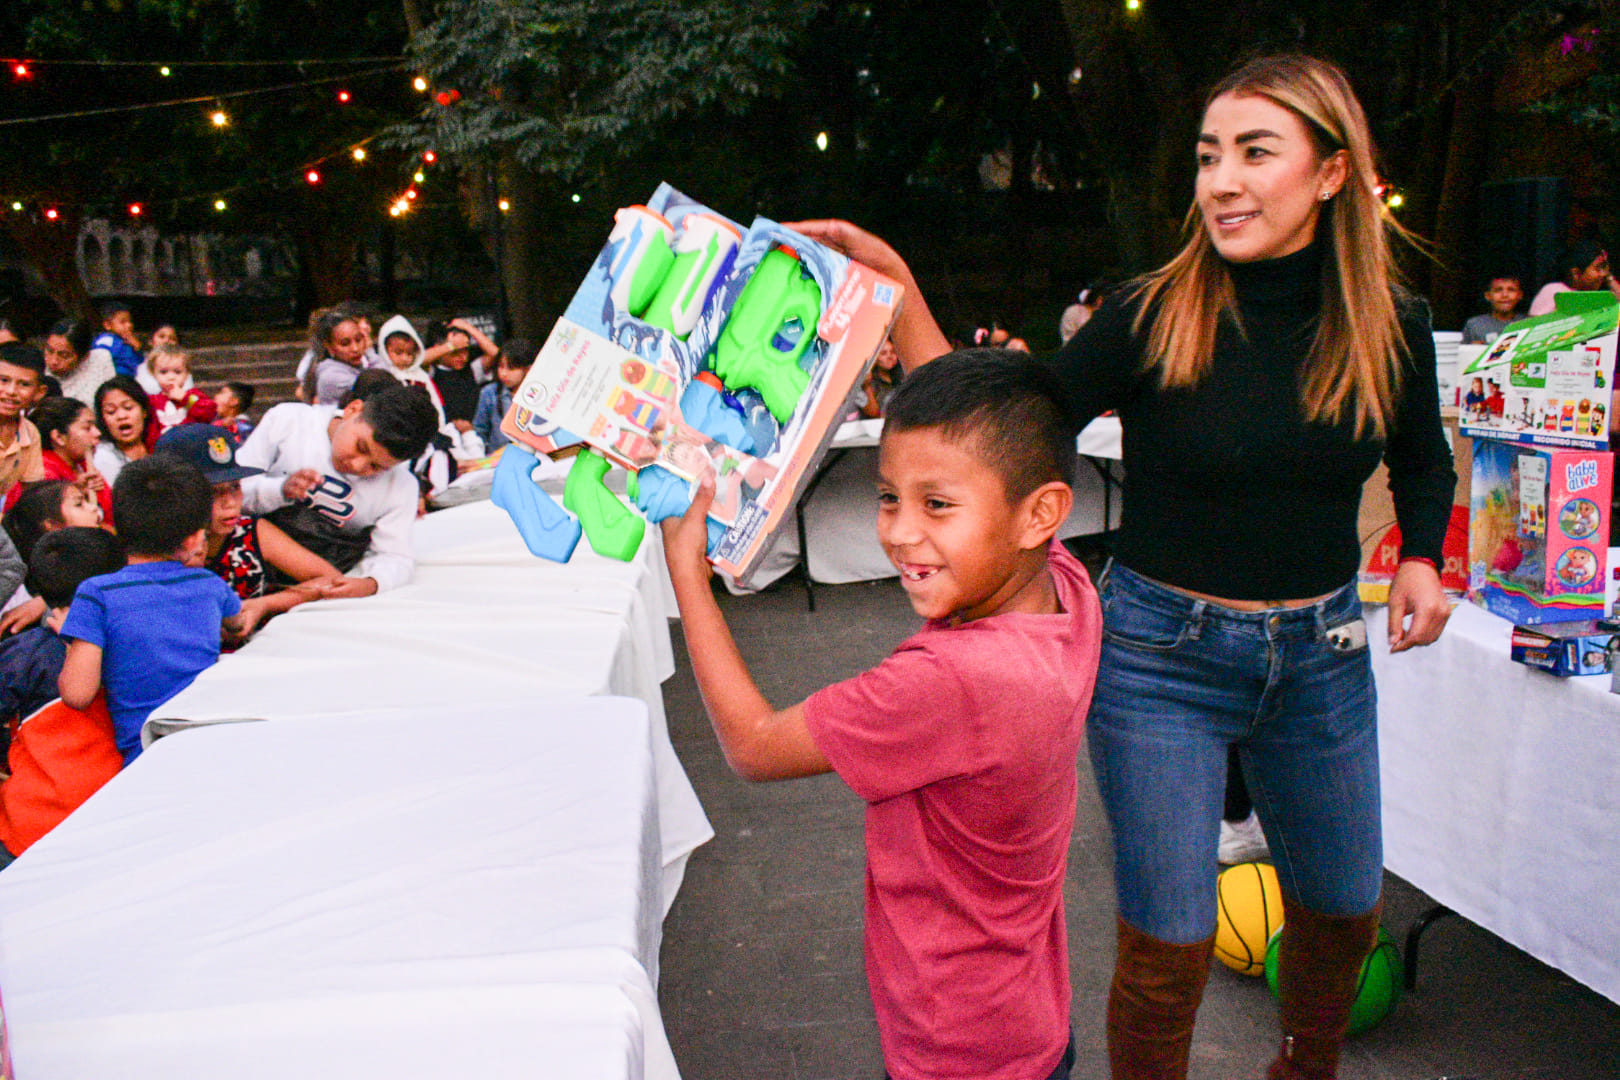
<point>335,480</point>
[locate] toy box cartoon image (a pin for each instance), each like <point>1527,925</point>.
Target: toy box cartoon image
<point>1539,532</point>
<point>1547,381</point>
<point>692,347</point>
<point>1566,648</point>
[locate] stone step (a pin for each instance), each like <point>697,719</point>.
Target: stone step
<point>269,368</point>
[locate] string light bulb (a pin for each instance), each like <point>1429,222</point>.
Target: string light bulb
<point>418,176</point>
<point>165,71</point>
<point>343,97</point>
<point>17,206</point>
<point>220,118</point>
<point>1396,201</point>
<point>506,205</point>
<point>313,176</point>
<point>219,205</point>
<point>1133,5</point>
<point>429,156</point>
<point>574,198</point>
<point>136,209</point>
<point>52,213</point>
<point>419,84</point>
<point>399,207</point>
<point>359,153</point>
<point>411,194</point>
<point>22,71</point>
<point>821,140</point>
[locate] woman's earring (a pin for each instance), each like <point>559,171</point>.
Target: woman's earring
<point>1326,195</point>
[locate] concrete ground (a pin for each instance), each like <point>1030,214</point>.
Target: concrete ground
<point>762,968</point>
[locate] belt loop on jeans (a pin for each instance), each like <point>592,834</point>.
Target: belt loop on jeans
<point>1320,610</point>
<point>1195,618</point>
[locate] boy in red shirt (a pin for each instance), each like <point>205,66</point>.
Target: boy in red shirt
<point>964,743</point>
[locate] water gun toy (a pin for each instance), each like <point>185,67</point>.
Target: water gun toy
<point>612,528</point>
<point>662,494</point>
<point>772,323</point>
<point>704,246</point>
<point>546,529</point>
<point>644,258</point>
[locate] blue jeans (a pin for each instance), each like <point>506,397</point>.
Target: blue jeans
<point>1181,680</point>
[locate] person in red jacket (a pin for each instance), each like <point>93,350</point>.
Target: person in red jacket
<point>175,404</point>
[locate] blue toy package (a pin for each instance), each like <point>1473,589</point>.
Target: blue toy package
<point>1584,647</point>
<point>694,347</point>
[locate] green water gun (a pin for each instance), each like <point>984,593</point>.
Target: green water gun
<point>612,528</point>
<point>772,323</point>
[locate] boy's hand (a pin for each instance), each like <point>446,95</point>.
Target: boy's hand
<point>462,426</point>
<point>686,538</point>
<point>22,616</point>
<point>242,626</point>
<point>298,485</point>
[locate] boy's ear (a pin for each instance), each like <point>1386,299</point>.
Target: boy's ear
<point>354,409</point>
<point>1045,510</point>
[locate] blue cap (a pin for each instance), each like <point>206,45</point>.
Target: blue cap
<point>212,449</point>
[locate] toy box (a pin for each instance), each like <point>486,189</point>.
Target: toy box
<point>1566,648</point>
<point>1546,381</point>
<point>695,343</point>
<point>1381,534</point>
<point>1538,538</point>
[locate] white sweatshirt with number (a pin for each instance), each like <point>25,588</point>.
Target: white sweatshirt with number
<point>293,436</point>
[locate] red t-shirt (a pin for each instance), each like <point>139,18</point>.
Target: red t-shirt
<point>965,745</point>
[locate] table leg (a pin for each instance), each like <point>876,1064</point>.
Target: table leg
<point>1414,933</point>
<point>832,459</point>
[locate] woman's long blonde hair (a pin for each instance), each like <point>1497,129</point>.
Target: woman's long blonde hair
<point>1354,365</point>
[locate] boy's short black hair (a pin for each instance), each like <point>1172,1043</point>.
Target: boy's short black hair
<point>23,355</point>
<point>108,308</point>
<point>36,509</point>
<point>1011,407</point>
<point>1504,275</point>
<point>158,501</point>
<point>367,383</point>
<point>244,394</point>
<point>520,351</point>
<point>402,419</point>
<point>65,558</point>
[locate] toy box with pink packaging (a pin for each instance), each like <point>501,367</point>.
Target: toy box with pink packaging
<point>1538,537</point>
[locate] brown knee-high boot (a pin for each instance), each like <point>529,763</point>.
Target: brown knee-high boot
<point>1318,968</point>
<point>1152,1005</point>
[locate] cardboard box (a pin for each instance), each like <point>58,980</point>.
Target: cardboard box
<point>1539,532</point>
<point>1381,535</point>
<point>1546,381</point>
<point>1569,648</point>
<point>614,372</point>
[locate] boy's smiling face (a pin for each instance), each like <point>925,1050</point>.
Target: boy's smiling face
<point>962,549</point>
<point>355,449</point>
<point>19,387</point>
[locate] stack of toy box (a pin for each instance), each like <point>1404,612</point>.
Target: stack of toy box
<point>695,346</point>
<point>1538,402</point>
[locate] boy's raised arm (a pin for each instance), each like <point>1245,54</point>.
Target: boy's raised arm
<point>760,742</point>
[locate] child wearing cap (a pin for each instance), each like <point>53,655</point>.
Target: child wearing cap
<point>240,548</point>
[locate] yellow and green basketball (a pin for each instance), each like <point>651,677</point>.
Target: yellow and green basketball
<point>1378,990</point>
<point>1249,910</point>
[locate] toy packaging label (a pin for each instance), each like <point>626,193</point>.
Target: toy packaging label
<point>1570,648</point>
<point>1538,538</point>
<point>781,327</point>
<point>1547,381</point>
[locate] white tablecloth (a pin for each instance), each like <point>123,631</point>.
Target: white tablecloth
<point>1501,790</point>
<point>482,622</point>
<point>429,891</point>
<point>841,516</point>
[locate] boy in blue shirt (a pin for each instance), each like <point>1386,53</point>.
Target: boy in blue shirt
<point>117,338</point>
<point>146,631</point>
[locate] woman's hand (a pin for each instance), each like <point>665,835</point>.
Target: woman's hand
<point>1416,592</point>
<point>686,538</point>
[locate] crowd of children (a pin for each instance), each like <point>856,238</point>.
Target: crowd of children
<point>145,524</point>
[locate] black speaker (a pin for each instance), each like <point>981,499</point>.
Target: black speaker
<point>1523,226</point>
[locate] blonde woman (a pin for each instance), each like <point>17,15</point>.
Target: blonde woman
<point>1260,375</point>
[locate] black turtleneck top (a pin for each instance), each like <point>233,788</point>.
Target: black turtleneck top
<point>1228,491</point>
